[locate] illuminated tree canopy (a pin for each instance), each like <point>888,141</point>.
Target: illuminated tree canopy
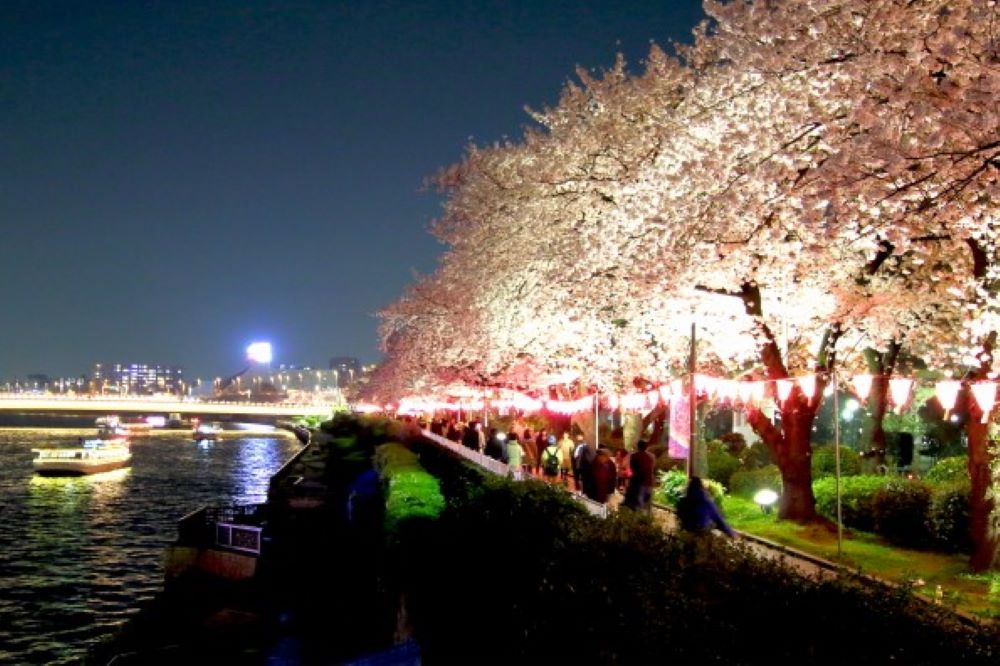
<point>807,180</point>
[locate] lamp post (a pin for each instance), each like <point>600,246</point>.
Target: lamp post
<point>693,400</point>
<point>836,456</point>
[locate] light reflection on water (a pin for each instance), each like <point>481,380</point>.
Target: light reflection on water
<point>78,554</point>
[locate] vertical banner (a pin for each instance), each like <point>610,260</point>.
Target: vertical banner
<point>680,426</point>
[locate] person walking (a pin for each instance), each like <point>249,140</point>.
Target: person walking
<point>530,452</point>
<point>581,462</point>
<point>551,461</point>
<point>603,477</point>
<point>565,458</point>
<point>698,513</point>
<point>639,492</point>
<point>515,454</point>
<point>541,441</point>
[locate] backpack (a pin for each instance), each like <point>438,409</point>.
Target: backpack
<point>550,464</point>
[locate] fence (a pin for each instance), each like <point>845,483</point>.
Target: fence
<point>497,467</point>
<point>233,527</point>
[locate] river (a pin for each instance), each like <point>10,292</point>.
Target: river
<point>79,555</point>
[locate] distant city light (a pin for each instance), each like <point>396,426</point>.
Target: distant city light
<point>259,352</point>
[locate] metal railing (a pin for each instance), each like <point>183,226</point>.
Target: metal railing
<point>497,467</point>
<point>237,527</point>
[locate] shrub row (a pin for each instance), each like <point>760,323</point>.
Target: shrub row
<point>909,513</point>
<point>519,573</point>
<point>412,494</point>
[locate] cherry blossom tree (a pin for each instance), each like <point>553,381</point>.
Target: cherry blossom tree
<point>814,181</point>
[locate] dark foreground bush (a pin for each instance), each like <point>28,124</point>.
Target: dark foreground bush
<point>521,574</point>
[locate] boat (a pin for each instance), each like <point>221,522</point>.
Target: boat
<point>92,456</point>
<point>207,431</point>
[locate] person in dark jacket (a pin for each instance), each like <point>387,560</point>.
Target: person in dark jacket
<point>470,438</point>
<point>602,476</point>
<point>639,493</point>
<point>697,512</point>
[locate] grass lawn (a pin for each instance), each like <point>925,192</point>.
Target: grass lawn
<point>870,554</point>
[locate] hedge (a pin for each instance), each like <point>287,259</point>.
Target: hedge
<point>949,470</point>
<point>909,513</point>
<point>856,498</point>
<point>746,483</point>
<point>412,494</point>
<point>824,462</point>
<point>521,574</point>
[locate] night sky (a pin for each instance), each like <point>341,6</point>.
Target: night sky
<point>180,178</point>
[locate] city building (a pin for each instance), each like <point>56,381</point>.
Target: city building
<point>347,369</point>
<point>137,378</point>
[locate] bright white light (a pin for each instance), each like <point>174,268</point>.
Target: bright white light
<point>259,352</point>
<point>765,497</point>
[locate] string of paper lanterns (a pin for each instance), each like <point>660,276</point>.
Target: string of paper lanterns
<point>735,392</point>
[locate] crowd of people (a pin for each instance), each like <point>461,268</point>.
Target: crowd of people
<point>597,473</point>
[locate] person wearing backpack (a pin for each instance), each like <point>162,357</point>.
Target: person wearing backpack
<point>551,460</point>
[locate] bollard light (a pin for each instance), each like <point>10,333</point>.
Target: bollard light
<point>765,498</point>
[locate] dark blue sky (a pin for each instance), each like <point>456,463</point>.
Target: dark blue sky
<point>179,178</point>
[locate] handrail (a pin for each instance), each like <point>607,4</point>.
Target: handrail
<point>502,469</point>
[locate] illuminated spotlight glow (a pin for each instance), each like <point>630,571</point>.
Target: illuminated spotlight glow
<point>765,498</point>
<point>259,352</point>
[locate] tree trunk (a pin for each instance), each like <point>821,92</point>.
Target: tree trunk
<point>984,513</point>
<point>792,450</point>
<point>659,425</point>
<point>632,427</point>
<point>881,366</point>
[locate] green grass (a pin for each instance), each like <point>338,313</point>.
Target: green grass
<point>867,553</point>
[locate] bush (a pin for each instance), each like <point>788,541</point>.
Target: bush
<point>949,470</point>
<point>901,511</point>
<point>628,593</point>
<point>721,463</point>
<point>735,443</point>
<point>948,517</point>
<point>756,456</point>
<point>856,499</point>
<point>664,463</point>
<point>673,484</point>
<point>824,462</point>
<point>411,492</point>
<point>747,482</point>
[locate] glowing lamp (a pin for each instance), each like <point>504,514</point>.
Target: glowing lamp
<point>947,393</point>
<point>784,387</point>
<point>986,396</point>
<point>259,352</point>
<point>862,385</point>
<point>765,499</point>
<point>899,391</point>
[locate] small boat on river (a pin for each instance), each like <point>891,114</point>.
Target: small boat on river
<point>92,456</point>
<point>206,431</point>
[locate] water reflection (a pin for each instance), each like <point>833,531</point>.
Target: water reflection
<point>78,554</point>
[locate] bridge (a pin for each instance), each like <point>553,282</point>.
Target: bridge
<point>142,404</point>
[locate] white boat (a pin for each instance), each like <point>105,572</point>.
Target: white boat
<point>207,431</point>
<point>91,457</point>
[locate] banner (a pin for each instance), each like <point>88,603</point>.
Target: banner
<point>680,427</point>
